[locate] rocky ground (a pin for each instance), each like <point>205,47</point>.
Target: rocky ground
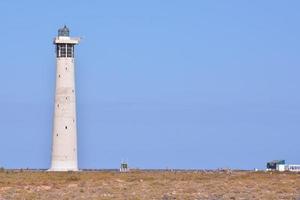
<point>147,185</point>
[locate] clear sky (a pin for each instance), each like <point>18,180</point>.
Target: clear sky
<point>178,84</point>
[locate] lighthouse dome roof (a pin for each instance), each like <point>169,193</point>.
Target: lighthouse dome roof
<point>64,31</point>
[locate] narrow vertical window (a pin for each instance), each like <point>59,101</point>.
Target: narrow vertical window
<point>70,50</point>
<point>57,51</point>
<point>63,50</point>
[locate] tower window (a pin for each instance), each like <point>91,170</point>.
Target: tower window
<point>58,105</point>
<point>70,50</point>
<point>56,135</point>
<point>66,127</point>
<point>61,50</point>
<point>59,76</point>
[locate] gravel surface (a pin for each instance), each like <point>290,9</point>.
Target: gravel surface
<point>147,185</point>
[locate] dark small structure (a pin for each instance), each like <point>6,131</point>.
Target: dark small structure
<point>273,164</point>
<point>124,167</point>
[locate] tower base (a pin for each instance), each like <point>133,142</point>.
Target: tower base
<point>63,166</point>
<point>63,170</point>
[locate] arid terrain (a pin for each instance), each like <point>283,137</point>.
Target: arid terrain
<point>147,185</point>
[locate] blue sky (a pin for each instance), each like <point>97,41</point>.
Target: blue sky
<point>178,84</point>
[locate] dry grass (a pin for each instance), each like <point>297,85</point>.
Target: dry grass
<point>148,185</point>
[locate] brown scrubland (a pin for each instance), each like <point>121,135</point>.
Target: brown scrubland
<point>148,185</point>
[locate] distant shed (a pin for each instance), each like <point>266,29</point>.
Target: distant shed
<point>275,164</point>
<point>124,167</point>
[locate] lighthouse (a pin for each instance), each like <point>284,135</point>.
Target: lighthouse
<point>64,141</point>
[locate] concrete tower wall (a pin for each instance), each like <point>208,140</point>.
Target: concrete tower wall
<point>64,150</point>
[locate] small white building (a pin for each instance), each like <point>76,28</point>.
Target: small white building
<point>124,167</point>
<point>292,168</point>
<point>281,167</point>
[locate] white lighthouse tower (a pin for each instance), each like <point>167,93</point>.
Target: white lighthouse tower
<point>64,144</point>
